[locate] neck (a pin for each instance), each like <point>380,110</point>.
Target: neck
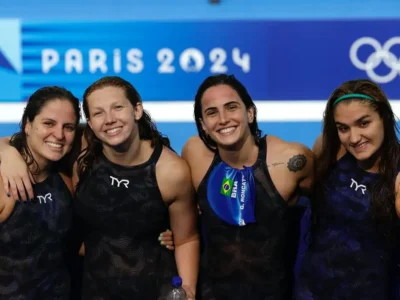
<point>41,169</point>
<point>242,154</point>
<point>127,154</point>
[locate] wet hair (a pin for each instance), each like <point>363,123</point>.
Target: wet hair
<point>147,128</point>
<point>235,84</point>
<point>36,102</point>
<point>382,194</point>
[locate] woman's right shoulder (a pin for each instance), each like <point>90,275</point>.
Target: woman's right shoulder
<point>195,147</point>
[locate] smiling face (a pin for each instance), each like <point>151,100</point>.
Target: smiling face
<point>225,117</point>
<point>360,128</point>
<point>112,116</point>
<point>51,133</point>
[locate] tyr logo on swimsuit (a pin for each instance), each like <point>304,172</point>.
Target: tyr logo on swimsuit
<point>125,182</point>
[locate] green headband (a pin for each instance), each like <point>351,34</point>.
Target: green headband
<point>360,96</point>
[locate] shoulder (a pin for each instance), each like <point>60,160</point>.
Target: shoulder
<point>194,144</point>
<point>297,155</point>
<point>172,168</point>
<point>195,147</point>
<point>287,148</point>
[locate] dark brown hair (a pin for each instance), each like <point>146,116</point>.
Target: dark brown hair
<point>383,194</point>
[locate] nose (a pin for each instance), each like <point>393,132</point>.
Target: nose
<point>110,118</point>
<point>355,136</point>
<point>223,118</point>
<point>59,133</point>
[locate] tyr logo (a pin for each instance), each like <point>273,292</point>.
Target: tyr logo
<point>44,198</point>
<point>354,184</point>
<point>125,182</point>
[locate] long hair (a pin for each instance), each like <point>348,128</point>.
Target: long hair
<point>147,129</point>
<point>34,106</point>
<point>235,84</point>
<point>382,194</point>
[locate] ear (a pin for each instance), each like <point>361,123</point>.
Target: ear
<point>250,115</point>
<point>28,128</point>
<point>138,111</point>
<point>90,124</point>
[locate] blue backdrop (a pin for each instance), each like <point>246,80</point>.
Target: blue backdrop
<point>289,58</point>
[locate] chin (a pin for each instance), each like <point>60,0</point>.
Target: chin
<point>117,141</point>
<point>363,156</point>
<point>228,144</point>
<point>54,157</point>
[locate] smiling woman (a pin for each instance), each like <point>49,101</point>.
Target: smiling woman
<point>360,129</point>
<point>33,233</point>
<point>244,183</point>
<point>51,133</point>
<point>358,164</point>
<point>127,195</point>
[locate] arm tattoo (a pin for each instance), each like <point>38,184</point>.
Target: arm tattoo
<point>274,164</point>
<point>297,163</point>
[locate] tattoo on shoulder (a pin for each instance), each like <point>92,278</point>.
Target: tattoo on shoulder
<point>275,164</point>
<point>297,163</point>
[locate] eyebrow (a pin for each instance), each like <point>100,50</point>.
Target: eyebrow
<point>356,121</point>
<point>111,104</point>
<point>226,104</point>
<point>52,120</point>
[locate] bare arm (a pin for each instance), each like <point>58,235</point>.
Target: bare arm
<point>183,216</point>
<point>397,193</point>
<point>317,147</point>
<point>307,176</point>
<point>298,170</point>
<point>75,177</point>
<point>17,178</point>
<point>15,174</point>
<point>198,157</point>
<point>7,204</point>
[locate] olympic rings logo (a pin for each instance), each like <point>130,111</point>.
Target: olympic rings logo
<point>382,54</point>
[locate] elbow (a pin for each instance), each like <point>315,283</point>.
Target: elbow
<point>195,238</point>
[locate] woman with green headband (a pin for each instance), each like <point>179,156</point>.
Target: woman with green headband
<point>357,169</point>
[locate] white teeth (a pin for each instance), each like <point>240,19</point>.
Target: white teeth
<point>227,130</point>
<point>54,145</point>
<point>113,130</point>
